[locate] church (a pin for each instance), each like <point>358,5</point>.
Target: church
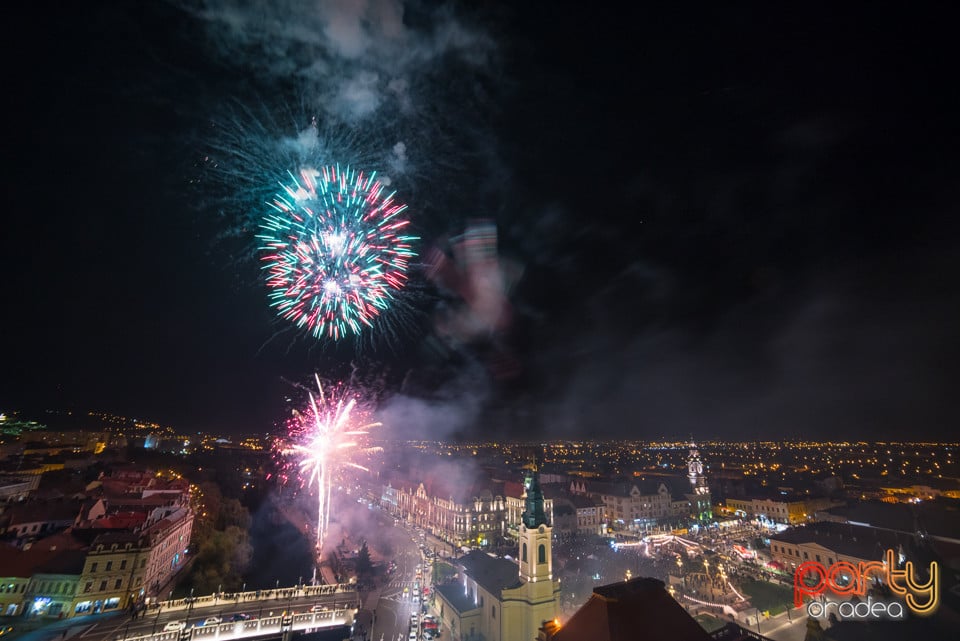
<point>501,599</point>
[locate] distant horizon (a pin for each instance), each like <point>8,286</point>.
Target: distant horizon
<point>665,441</point>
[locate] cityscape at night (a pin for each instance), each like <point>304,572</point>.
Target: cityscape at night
<point>416,320</point>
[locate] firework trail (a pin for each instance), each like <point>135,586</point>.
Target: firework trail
<point>328,436</point>
<point>335,251</point>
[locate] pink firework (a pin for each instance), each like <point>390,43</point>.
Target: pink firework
<point>325,436</point>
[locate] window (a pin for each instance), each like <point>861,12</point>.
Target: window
<point>542,554</point>
<point>524,555</point>
<point>93,568</point>
<point>143,563</point>
<point>103,585</point>
<point>123,564</point>
<point>109,565</point>
<point>88,586</point>
<point>116,586</point>
<point>493,611</point>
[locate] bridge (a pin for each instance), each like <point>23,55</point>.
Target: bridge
<point>254,597</point>
<point>264,613</point>
<point>274,625</point>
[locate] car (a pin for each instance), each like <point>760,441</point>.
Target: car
<point>413,635</point>
<point>175,626</point>
<point>5,630</point>
<point>211,621</point>
<point>240,616</point>
<point>319,608</point>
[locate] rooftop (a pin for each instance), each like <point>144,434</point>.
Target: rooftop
<point>939,518</point>
<point>453,593</point>
<point>491,573</point>
<point>635,610</point>
<point>857,541</point>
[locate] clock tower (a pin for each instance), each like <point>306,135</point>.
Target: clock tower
<point>700,499</point>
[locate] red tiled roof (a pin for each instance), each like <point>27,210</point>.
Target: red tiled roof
<point>635,610</point>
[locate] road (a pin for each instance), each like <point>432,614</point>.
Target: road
<point>391,606</point>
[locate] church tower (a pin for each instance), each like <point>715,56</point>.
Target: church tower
<point>536,599</point>
<point>536,558</point>
<point>700,499</point>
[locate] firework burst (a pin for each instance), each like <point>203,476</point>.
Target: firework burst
<point>320,441</point>
<point>335,251</point>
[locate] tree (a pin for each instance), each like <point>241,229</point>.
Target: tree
<point>364,565</point>
<point>232,513</point>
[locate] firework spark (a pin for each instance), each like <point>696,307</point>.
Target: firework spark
<point>328,436</point>
<point>334,251</point>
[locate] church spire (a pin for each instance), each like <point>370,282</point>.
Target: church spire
<point>533,512</point>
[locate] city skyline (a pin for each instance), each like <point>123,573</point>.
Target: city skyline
<point>729,225</point>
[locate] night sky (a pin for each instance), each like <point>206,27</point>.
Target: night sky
<point>719,222</point>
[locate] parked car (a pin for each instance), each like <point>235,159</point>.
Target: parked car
<point>175,626</point>
<point>240,616</point>
<point>319,608</point>
<point>211,621</point>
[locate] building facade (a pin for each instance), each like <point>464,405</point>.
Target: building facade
<point>168,540</point>
<point>788,509</point>
<point>474,518</point>
<point>113,574</point>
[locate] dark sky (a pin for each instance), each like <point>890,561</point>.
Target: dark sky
<point>721,222</point>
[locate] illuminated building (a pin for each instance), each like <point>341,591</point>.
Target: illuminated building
<point>169,539</point>
<point>461,516</point>
<point>113,572</point>
<point>12,589</point>
<point>779,507</point>
<point>828,543</point>
<point>700,497</point>
<point>631,507</point>
<point>48,572</point>
<point>500,599</point>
